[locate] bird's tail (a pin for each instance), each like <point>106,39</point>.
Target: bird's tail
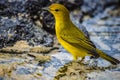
<point>107,57</point>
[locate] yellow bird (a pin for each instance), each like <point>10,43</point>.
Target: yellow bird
<point>72,38</point>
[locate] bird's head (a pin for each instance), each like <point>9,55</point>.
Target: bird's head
<point>58,10</point>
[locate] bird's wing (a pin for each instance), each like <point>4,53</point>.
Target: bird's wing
<point>78,39</point>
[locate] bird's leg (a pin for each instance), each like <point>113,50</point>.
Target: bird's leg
<point>93,61</point>
<point>81,60</point>
<point>75,58</point>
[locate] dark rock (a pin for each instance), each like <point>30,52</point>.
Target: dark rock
<point>70,4</point>
<point>33,8</point>
<point>16,23</point>
<point>11,8</point>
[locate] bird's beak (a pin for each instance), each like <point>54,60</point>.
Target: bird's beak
<point>46,8</point>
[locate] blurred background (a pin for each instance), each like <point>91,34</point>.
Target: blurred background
<point>25,20</point>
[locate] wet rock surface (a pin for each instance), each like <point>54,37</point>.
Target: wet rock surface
<point>29,49</point>
<point>19,61</point>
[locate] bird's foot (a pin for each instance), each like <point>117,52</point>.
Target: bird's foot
<point>90,61</point>
<point>80,60</point>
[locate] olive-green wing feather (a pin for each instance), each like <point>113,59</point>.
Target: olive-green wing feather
<point>78,39</point>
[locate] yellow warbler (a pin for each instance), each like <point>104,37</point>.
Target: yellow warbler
<point>72,38</point>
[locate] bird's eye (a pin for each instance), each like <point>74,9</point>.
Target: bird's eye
<point>56,10</point>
